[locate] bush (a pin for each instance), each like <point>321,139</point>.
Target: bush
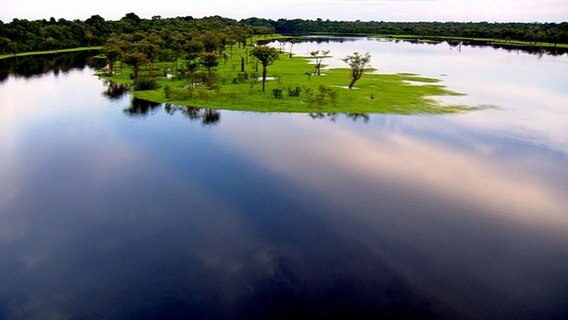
<point>333,97</point>
<point>294,92</point>
<point>277,93</point>
<point>321,97</point>
<point>242,77</point>
<point>168,92</point>
<point>178,94</point>
<point>141,84</point>
<point>202,93</point>
<point>323,92</point>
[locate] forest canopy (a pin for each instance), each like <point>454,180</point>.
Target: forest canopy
<point>23,35</point>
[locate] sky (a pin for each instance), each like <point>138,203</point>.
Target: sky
<point>365,10</point>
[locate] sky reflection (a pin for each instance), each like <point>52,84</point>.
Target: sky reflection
<point>107,213</point>
<point>531,89</point>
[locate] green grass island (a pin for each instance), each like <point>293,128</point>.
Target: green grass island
<point>234,82</point>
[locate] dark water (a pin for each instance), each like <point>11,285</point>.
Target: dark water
<point>119,209</point>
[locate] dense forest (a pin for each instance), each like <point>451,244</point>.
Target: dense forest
<point>532,32</point>
<point>22,35</point>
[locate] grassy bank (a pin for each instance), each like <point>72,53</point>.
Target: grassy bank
<point>33,53</point>
<point>292,90</point>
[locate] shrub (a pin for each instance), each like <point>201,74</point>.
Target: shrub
<point>277,93</point>
<point>168,92</point>
<point>333,97</point>
<point>202,93</point>
<point>309,94</point>
<point>178,94</point>
<point>141,84</point>
<point>294,92</point>
<point>323,92</point>
<point>243,77</point>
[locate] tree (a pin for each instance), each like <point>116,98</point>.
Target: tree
<point>5,45</point>
<point>209,60</point>
<point>112,52</point>
<point>358,63</point>
<point>211,41</point>
<point>150,47</point>
<point>266,56</point>
<point>135,60</point>
<point>193,49</point>
<point>292,43</point>
<point>319,56</point>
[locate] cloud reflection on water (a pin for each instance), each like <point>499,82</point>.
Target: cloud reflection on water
<point>406,161</point>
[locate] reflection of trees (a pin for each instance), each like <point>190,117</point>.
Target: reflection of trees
<point>335,39</point>
<point>207,116</point>
<point>115,90</point>
<point>540,51</point>
<point>318,40</point>
<point>141,108</point>
<point>29,66</point>
<point>333,116</point>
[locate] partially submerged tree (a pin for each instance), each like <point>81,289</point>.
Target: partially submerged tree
<point>266,56</point>
<point>358,63</point>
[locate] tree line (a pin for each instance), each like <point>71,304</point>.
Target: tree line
<point>531,32</point>
<point>23,35</point>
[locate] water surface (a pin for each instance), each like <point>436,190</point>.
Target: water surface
<point>120,209</point>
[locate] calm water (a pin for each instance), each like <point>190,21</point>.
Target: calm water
<point>119,209</point>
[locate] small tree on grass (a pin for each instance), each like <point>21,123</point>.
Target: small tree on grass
<point>292,43</point>
<point>266,56</point>
<point>358,63</point>
<point>209,60</point>
<point>319,56</point>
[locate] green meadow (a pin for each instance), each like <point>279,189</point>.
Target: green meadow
<point>291,87</point>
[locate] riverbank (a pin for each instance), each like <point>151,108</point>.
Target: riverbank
<point>432,38</point>
<point>33,53</point>
<point>484,41</point>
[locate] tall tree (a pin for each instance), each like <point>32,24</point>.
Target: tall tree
<point>135,60</point>
<point>112,52</point>
<point>358,63</point>
<point>266,56</point>
<point>209,60</point>
<point>193,50</point>
<point>150,47</point>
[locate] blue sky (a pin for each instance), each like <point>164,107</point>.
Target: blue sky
<point>387,10</point>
